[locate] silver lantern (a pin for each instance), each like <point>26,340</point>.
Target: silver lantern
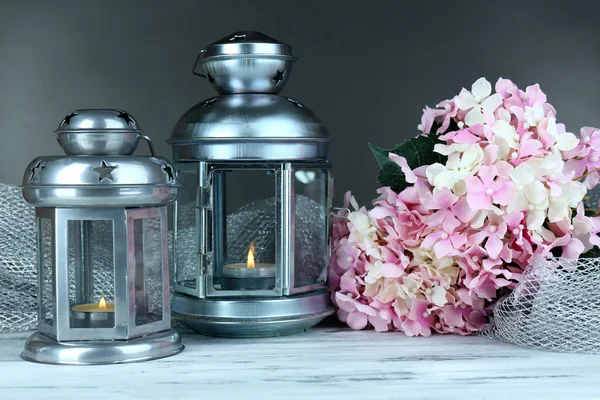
<point>252,216</point>
<point>102,245</point>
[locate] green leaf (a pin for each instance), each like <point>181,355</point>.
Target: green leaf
<point>390,173</point>
<point>417,151</point>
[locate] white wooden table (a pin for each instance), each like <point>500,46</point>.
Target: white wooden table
<point>328,362</point>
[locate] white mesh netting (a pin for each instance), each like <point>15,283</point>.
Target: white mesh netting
<point>555,307</point>
<point>18,255</point>
<point>18,265</point>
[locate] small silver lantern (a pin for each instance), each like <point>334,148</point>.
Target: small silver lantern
<point>102,245</point>
<point>252,216</point>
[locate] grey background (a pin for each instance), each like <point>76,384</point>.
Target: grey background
<point>367,68</point>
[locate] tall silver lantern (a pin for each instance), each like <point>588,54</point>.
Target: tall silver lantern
<point>251,219</point>
<point>102,245</point>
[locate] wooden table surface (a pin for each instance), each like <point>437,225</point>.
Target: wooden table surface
<point>328,362</point>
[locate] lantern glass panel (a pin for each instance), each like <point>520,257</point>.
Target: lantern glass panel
<point>186,249</point>
<point>46,277</point>
<point>245,229</point>
<point>310,255</point>
<point>148,270</point>
<point>91,273</point>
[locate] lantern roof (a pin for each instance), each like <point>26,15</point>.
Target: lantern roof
<point>98,170</point>
<point>248,121</point>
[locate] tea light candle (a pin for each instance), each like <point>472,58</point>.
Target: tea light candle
<point>248,276</point>
<point>94,315</point>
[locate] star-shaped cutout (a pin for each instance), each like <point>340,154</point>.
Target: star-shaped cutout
<point>105,171</point>
<point>210,78</point>
<point>126,117</point>
<point>35,171</point>
<point>235,38</point>
<point>167,168</point>
<point>208,103</point>
<point>67,119</point>
<point>278,77</point>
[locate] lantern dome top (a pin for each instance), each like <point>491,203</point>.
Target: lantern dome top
<point>93,120</point>
<point>246,62</point>
<point>249,127</point>
<point>244,43</point>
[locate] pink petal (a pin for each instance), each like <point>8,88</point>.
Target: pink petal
<point>380,324</point>
<point>464,136</point>
<point>474,184</point>
<point>401,161</point>
<point>529,147</point>
<point>450,223</point>
<point>479,201</point>
<point>478,319</point>
<point>504,194</point>
<point>443,248</point>
<point>382,212</point>
<point>348,283</point>
<point>493,246</point>
<point>453,316</point>
<point>357,320</point>
<point>345,302</point>
<point>463,211</point>
<point>490,154</point>
<point>444,198</point>
<point>487,173</point>
<point>535,94</point>
<point>389,270</point>
<point>573,249</point>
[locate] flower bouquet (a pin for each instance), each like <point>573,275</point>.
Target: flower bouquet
<point>492,181</point>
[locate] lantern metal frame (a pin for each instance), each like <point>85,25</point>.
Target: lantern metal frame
<point>207,240</point>
<point>285,309</point>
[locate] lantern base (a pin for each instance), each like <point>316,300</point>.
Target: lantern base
<point>252,317</point>
<point>43,349</point>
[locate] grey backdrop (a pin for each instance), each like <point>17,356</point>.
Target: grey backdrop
<point>367,68</point>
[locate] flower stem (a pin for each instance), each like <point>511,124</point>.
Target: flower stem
<point>586,174</point>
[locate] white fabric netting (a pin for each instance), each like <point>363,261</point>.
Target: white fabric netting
<point>18,265</point>
<point>18,254</point>
<point>555,307</point>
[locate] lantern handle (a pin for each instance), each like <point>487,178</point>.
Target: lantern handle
<point>196,64</point>
<point>147,139</point>
<point>334,212</point>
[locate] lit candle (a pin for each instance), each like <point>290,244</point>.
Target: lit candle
<point>248,276</point>
<point>93,315</point>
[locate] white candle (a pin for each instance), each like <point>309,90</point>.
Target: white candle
<point>250,270</point>
<point>94,315</point>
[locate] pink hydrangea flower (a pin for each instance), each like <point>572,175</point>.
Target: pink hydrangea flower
<point>431,258</point>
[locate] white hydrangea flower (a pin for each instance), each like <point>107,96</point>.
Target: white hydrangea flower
<point>530,195</point>
<point>374,273</point>
<point>561,206</point>
<point>505,137</point>
<point>459,166</point>
<point>564,141</point>
<point>480,98</point>
<point>438,296</point>
<point>534,115</point>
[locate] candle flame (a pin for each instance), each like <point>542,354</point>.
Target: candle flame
<point>102,303</point>
<point>250,263</point>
